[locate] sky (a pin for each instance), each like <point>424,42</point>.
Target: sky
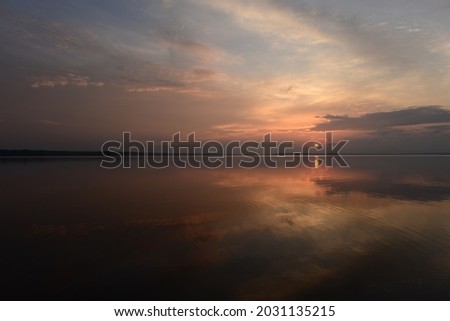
<point>75,74</point>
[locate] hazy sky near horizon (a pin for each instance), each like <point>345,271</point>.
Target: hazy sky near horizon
<point>78,73</point>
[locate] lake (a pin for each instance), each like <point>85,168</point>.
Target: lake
<point>378,230</point>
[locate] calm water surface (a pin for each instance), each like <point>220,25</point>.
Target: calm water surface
<point>377,230</point>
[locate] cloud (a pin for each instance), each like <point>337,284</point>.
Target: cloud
<point>193,48</point>
<point>436,129</point>
<point>183,48</point>
<point>359,54</point>
<point>52,122</point>
<point>381,120</point>
<point>261,65</point>
<point>191,82</point>
<point>64,80</point>
<point>265,19</point>
<point>52,35</point>
<point>397,45</point>
<point>192,91</point>
<point>200,74</point>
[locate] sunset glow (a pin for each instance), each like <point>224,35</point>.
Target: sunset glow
<point>76,74</point>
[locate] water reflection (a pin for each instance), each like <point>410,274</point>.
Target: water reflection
<point>378,230</point>
<point>410,178</point>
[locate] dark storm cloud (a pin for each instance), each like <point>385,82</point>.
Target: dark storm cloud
<point>376,121</point>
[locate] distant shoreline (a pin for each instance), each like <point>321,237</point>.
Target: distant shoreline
<point>26,153</point>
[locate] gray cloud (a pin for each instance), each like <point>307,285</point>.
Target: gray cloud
<point>58,52</point>
<point>64,80</point>
<point>393,44</point>
<point>36,38</point>
<point>445,128</point>
<point>381,120</point>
